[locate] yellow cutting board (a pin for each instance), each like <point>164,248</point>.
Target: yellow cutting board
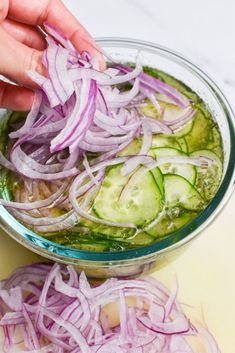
<point>205,270</point>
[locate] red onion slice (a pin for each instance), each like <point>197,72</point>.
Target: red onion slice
<point>48,202</point>
<point>31,117</point>
<point>53,309</point>
<point>134,162</point>
<point>81,114</point>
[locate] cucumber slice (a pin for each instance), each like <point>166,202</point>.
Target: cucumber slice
<point>188,171</point>
<point>92,246</point>
<point>149,109</point>
<point>219,152</point>
<point>159,179</point>
<point>133,148</point>
<point>215,142</point>
<point>171,112</point>
<point>107,231</point>
<point>208,179</point>
<point>185,129</point>
<point>140,239</point>
<point>183,144</point>
<point>170,222</point>
<point>157,141</point>
<point>199,135</point>
<point>134,198</point>
<point>165,141</point>
<point>180,192</point>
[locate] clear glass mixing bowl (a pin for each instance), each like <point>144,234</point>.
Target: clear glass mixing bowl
<point>136,261</point>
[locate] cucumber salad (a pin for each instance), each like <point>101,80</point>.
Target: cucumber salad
<point>107,161</point>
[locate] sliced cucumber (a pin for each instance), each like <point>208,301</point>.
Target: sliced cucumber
<point>148,109</point>
<point>219,152</point>
<point>171,222</point>
<point>134,198</point>
<point>199,135</point>
<point>215,142</point>
<point>165,141</point>
<point>180,192</point>
<point>208,179</point>
<point>159,179</point>
<point>185,129</point>
<point>171,111</point>
<point>92,246</point>
<point>183,144</point>
<point>133,148</point>
<point>157,141</point>
<point>140,239</point>
<point>186,170</point>
<point>107,231</point>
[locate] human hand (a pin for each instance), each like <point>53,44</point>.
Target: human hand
<point>22,43</point>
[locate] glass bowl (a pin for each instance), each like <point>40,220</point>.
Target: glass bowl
<point>136,261</point>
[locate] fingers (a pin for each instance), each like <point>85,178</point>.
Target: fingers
<point>15,97</point>
<point>26,34</point>
<point>4,4</point>
<point>17,58</point>
<point>81,45</point>
<point>55,13</point>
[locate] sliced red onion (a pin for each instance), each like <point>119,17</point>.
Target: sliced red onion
<point>18,159</point>
<point>182,120</point>
<point>79,73</point>
<point>92,139</point>
<point>132,163</point>
<point>101,103</point>
<point>77,182</point>
<point>31,117</point>
<point>157,85</point>
<point>89,185</point>
<point>41,168</point>
<point>39,153</point>
<point>116,121</point>
<point>200,161</point>
<point>46,86</point>
<point>151,96</point>
<point>116,99</point>
<point>40,221</point>
<point>57,58</point>
<point>112,72</point>
<point>48,202</point>
<point>59,37</point>
<point>158,126</point>
<point>125,78</point>
<point>58,311</point>
<point>95,148</point>
<point>6,163</point>
<point>80,120</point>
<point>80,113</point>
<point>46,129</point>
<point>108,155</point>
<point>89,171</point>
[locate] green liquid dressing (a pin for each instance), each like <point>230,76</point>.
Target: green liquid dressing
<point>168,197</point>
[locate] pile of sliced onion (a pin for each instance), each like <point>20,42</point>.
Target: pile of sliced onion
<point>51,309</point>
<point>78,112</point>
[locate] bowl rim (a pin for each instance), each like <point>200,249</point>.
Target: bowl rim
<point>53,250</point>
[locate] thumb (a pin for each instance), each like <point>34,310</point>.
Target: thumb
<point>17,59</point>
<point>15,97</point>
